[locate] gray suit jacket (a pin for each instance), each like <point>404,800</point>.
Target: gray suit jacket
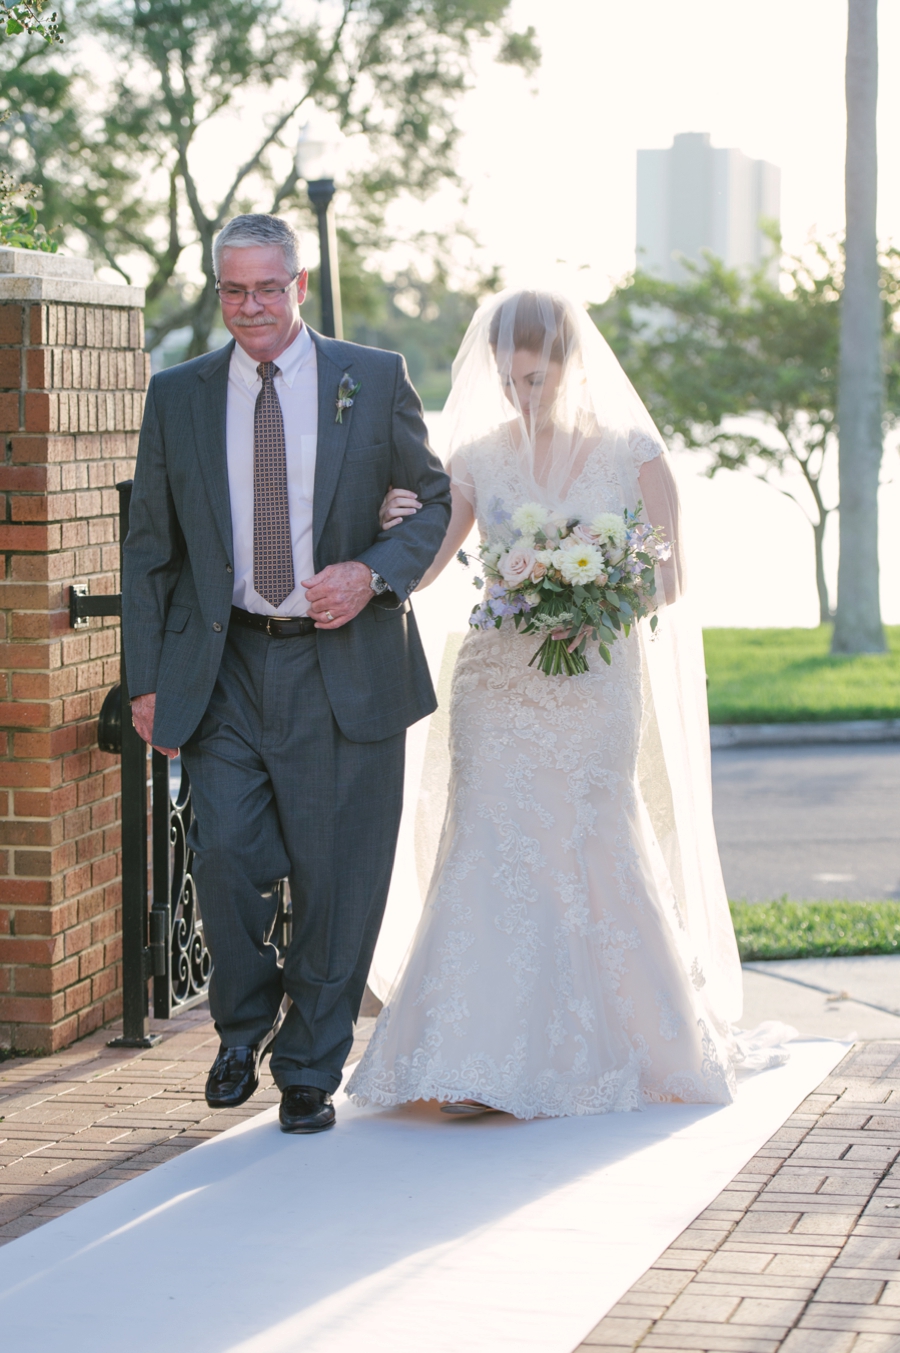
<point>178,559</point>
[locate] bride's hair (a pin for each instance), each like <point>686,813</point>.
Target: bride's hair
<point>533,321</point>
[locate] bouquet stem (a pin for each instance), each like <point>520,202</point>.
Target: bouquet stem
<point>553,658</point>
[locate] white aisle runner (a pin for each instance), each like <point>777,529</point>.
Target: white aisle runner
<point>393,1233</point>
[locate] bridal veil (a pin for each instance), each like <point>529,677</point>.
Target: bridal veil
<point>534,364</point>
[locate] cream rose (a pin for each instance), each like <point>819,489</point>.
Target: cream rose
<point>515,566</point>
<point>584,534</point>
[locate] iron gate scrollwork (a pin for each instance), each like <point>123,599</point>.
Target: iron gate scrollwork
<point>175,914</point>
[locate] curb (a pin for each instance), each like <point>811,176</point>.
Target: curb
<point>803,734</point>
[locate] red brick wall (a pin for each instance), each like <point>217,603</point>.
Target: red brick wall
<point>71,396</point>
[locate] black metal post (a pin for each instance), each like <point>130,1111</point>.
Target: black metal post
<point>321,193</point>
<point>135,953</point>
<point>161,910</point>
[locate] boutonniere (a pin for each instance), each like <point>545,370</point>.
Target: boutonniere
<point>345,395</point>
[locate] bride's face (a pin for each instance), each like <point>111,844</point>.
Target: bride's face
<point>531,383</point>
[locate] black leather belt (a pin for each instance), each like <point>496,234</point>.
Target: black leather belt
<point>276,626</point>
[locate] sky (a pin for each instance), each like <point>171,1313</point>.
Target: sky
<point>551,161</point>
<point>551,167</point>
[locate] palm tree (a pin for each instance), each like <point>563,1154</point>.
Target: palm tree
<point>858,627</point>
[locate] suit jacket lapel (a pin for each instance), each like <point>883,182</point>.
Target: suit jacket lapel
<point>208,404</point>
<point>332,436</point>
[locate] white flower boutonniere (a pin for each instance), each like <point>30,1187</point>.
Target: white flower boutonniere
<point>345,396</point>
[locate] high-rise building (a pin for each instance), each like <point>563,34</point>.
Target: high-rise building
<point>695,196</point>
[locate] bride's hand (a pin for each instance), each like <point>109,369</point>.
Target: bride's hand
<point>398,503</point>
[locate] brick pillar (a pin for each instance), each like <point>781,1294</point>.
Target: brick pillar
<point>72,379</point>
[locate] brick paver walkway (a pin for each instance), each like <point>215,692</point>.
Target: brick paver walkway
<point>802,1251</point>
<point>77,1123</point>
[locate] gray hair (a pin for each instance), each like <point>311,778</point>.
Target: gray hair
<point>242,232</point>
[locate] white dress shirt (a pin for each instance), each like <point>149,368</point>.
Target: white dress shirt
<point>297,390</point>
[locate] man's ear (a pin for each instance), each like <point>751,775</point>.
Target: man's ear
<point>302,285</point>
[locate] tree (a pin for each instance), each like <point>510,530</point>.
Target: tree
<point>392,70</point>
<point>858,627</point>
<point>723,345</point>
<point>25,17</point>
<point>47,136</point>
<point>425,319</point>
<point>19,225</point>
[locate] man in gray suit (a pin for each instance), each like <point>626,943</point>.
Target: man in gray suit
<point>268,635</point>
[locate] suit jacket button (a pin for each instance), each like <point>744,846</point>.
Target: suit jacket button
<point>228,568</point>
<point>217,627</point>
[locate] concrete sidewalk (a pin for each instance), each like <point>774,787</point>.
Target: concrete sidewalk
<point>845,998</point>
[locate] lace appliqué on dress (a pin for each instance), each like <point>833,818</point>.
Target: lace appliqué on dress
<point>548,975</point>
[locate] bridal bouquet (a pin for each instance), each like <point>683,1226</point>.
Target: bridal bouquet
<point>567,580</point>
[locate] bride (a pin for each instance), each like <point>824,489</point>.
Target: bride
<point>576,953</point>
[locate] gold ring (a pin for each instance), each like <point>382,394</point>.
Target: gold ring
<point>328,615</point>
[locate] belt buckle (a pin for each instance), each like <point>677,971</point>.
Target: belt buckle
<point>269,620</point>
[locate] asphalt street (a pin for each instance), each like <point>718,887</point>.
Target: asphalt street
<point>811,822</point>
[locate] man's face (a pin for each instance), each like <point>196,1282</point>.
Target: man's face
<point>264,326</point>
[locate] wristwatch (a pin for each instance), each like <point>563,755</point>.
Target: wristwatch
<point>378,585</point>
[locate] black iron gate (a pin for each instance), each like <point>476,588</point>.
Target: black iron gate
<point>162,928</point>
<point>175,921</point>
<point>162,941</point>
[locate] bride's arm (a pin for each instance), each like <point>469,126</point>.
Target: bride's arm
<point>400,503</point>
<point>661,508</point>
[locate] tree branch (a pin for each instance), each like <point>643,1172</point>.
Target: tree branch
<point>322,66</point>
<point>180,320</point>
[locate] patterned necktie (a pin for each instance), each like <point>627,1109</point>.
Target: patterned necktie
<point>273,557</point>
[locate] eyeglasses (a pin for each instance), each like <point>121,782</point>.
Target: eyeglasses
<point>265,295</point>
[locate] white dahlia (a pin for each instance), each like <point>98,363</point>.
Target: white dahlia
<point>580,564</point>
<point>609,529</point>
<point>529,518</point>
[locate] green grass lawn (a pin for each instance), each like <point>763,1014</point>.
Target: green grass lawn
<point>788,676</point>
<point>815,929</point>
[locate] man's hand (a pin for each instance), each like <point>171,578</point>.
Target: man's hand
<point>143,710</point>
<point>338,593</point>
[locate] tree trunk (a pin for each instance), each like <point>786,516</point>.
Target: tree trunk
<point>858,627</point>
<point>205,315</point>
<point>825,616</point>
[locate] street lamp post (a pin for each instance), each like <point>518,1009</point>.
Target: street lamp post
<point>318,150</point>
<point>321,193</point>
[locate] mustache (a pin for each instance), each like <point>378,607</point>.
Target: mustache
<point>255,322</point>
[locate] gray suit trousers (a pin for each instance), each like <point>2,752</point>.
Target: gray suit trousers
<point>278,791</point>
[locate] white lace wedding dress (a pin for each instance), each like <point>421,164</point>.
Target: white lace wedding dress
<point>550,973</point>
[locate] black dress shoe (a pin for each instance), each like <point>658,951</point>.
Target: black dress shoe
<point>234,1075</point>
<point>305,1108</point>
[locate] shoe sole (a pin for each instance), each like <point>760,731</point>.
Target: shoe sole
<point>305,1131</point>
<point>468,1110</point>
<point>232,1103</point>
